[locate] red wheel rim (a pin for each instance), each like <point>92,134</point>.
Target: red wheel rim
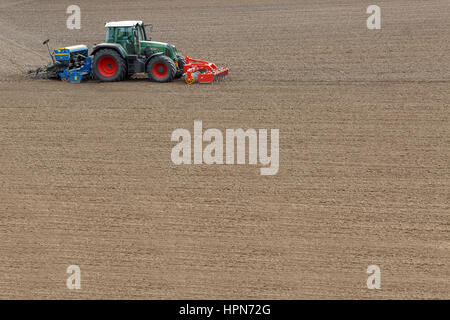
<point>160,70</point>
<point>107,66</point>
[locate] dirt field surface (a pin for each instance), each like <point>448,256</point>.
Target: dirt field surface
<point>86,176</point>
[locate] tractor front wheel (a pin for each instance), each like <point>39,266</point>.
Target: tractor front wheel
<point>161,69</point>
<point>109,66</point>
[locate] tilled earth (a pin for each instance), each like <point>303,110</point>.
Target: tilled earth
<point>86,176</point>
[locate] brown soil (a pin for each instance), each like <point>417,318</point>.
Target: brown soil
<point>86,176</point>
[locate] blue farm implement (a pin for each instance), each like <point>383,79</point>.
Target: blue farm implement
<point>77,61</point>
<point>71,64</point>
<point>127,50</point>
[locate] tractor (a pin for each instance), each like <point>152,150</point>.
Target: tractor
<point>128,49</point>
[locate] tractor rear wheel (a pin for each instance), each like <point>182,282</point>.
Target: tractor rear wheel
<point>161,69</point>
<point>109,66</point>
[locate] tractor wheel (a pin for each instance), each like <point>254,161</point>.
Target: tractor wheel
<point>181,63</point>
<point>109,66</point>
<point>161,69</point>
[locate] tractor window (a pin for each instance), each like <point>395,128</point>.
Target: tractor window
<point>110,35</point>
<point>125,37</point>
<point>124,34</point>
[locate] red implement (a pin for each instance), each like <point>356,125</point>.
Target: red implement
<point>202,71</point>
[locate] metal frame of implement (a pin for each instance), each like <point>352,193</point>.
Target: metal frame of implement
<point>199,71</point>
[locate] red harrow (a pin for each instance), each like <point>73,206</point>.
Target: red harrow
<point>198,71</point>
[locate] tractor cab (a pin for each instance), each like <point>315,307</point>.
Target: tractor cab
<point>133,37</point>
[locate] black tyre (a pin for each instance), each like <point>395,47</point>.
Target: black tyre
<point>181,63</point>
<point>109,66</point>
<point>161,69</point>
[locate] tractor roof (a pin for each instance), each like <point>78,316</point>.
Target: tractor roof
<point>123,24</point>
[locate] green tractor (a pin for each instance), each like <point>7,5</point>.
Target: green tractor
<point>128,49</point>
